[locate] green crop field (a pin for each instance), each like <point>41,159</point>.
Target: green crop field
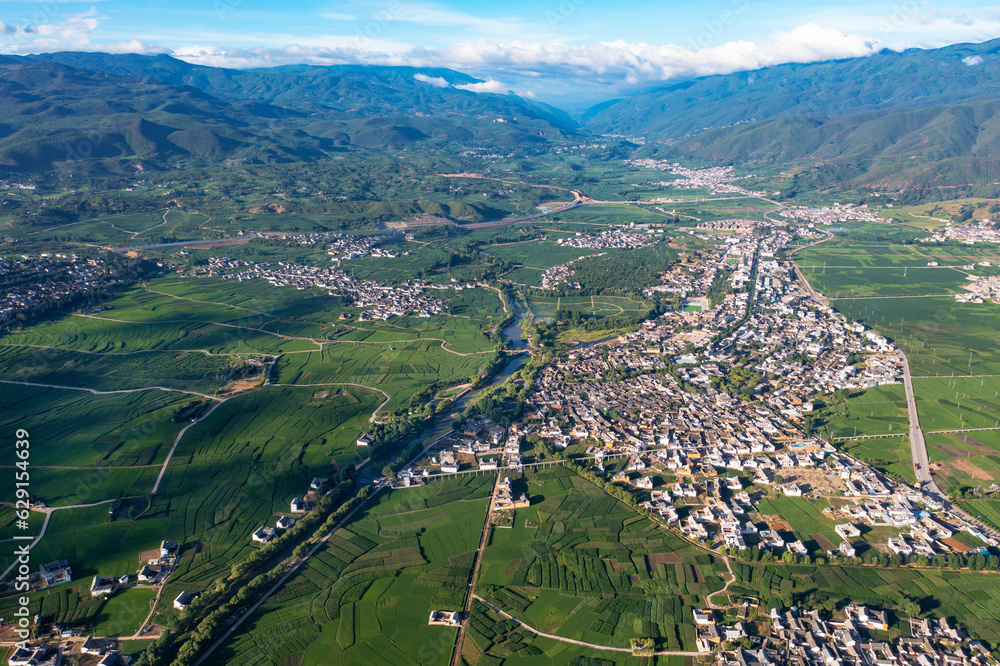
<point>108,371</point>
<point>835,282</point>
<point>880,410</point>
<point>889,454</point>
<point>804,517</point>
<point>939,335</point>
<point>545,307</point>
<point>399,369</point>
<point>236,469</point>
<point>80,429</point>
<point>958,402</point>
<point>366,595</point>
<point>580,564</point>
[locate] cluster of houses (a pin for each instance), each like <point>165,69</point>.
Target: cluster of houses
<point>831,214</point>
<point>713,179</point>
<point>99,652</point>
<point>980,290</point>
<point>610,238</point>
<point>380,300</point>
<point>732,224</point>
<point>266,534</point>
<point>40,280</point>
<point>480,444</point>
<point>982,231</point>
<point>806,638</point>
<point>553,277</point>
<point>351,247</point>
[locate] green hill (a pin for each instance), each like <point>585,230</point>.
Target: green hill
<point>100,112</point>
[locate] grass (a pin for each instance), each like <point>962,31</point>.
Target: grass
<point>124,612</point>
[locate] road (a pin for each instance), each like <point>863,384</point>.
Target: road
<point>483,540</point>
<point>918,447</point>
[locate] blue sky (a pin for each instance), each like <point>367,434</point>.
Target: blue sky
<point>543,48</point>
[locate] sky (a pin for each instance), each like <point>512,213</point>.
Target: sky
<point>552,50</point>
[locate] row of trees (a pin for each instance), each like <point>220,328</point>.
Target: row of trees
<point>191,632</point>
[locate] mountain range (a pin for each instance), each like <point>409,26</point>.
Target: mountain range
<point>911,119</point>
<point>95,110</point>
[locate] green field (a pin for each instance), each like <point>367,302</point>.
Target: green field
<point>580,564</point>
<point>545,307</point>
<point>863,282</point>
<point>400,369</point>
<point>237,468</point>
<point>958,402</point>
<point>79,429</point>
<point>938,334</point>
<point>880,410</point>
<point>889,454</point>
<point>805,518</point>
<point>365,596</point>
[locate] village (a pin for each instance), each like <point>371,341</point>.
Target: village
<point>813,638</point>
<point>982,231</point>
<point>611,238</point>
<point>380,301</point>
<point>49,278</point>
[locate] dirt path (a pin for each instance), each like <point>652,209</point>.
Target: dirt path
<point>96,392</point>
<point>563,639</point>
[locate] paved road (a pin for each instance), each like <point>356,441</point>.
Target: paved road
<point>918,448</point>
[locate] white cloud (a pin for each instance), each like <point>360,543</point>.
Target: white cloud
<point>73,33</point>
<point>436,81</point>
<point>972,61</point>
<point>617,63</point>
<point>490,86</point>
